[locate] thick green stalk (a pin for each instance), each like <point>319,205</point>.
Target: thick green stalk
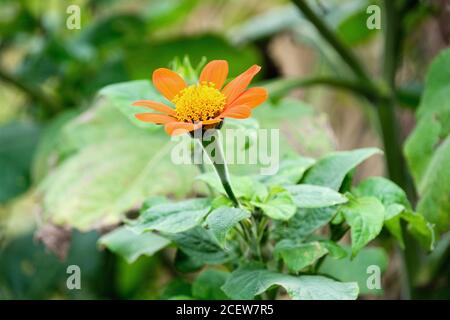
<point>391,135</point>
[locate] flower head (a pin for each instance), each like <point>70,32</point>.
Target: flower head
<point>203,103</point>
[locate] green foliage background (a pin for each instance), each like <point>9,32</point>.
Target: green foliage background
<point>73,157</point>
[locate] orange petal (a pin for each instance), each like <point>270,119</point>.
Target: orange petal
<point>216,72</point>
<point>167,82</point>
<point>157,106</point>
<point>177,128</point>
<point>233,89</point>
<point>155,118</point>
<point>251,98</point>
<point>238,112</point>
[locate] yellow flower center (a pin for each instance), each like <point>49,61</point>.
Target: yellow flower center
<point>199,102</point>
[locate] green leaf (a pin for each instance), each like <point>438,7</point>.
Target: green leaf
<point>186,264</point>
<point>303,223</point>
<point>356,269</point>
<point>384,190</point>
<point>365,216</point>
<point>249,281</point>
<point>331,170</point>
<point>198,244</point>
<point>311,196</point>
<point>397,207</point>
<point>220,221</point>
<point>207,286</point>
<point>278,207</point>
<point>335,250</point>
<point>173,217</point>
<point>17,144</point>
<point>428,147</point>
<point>290,171</point>
<point>131,245</point>
<point>420,228</point>
<point>298,256</point>
<point>106,166</point>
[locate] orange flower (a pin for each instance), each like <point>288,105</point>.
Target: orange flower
<point>204,103</point>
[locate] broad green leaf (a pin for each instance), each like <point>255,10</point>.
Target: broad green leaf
<point>221,220</point>
<point>303,223</point>
<point>279,207</point>
<point>311,196</point>
<point>357,268</point>
<point>17,144</point>
<point>397,207</point>
<point>122,95</point>
<point>290,171</point>
<point>198,244</point>
<point>384,190</point>
<point>365,216</point>
<point>428,147</point>
<point>173,217</point>
<point>105,166</point>
<point>207,286</point>
<point>331,170</point>
<point>250,281</point>
<point>131,245</point>
<point>298,256</point>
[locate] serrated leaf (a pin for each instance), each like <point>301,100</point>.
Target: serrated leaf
<point>331,170</point>
<point>173,217</point>
<point>299,255</point>
<point>311,196</point>
<point>250,281</point>
<point>131,245</point>
<point>365,216</point>
<point>220,221</point>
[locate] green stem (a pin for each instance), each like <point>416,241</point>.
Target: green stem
<point>391,135</point>
<point>346,54</point>
<point>218,161</point>
<point>35,93</point>
<point>278,88</point>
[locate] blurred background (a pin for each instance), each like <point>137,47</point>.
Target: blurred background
<point>55,132</point>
